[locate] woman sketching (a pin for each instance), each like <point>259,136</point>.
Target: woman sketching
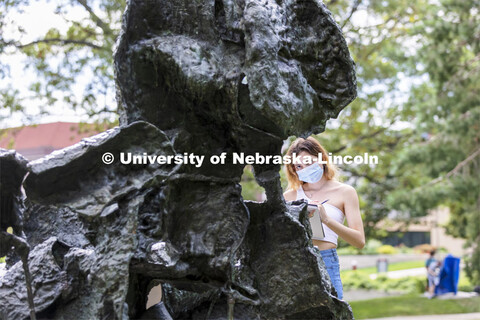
<point>315,182</point>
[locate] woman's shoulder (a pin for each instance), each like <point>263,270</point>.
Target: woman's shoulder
<point>290,194</point>
<point>342,187</point>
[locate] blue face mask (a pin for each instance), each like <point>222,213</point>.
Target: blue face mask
<point>311,174</point>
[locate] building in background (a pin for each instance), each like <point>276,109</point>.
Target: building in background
<point>429,229</point>
<point>36,141</point>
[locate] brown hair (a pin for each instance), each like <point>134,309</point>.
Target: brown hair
<point>314,148</point>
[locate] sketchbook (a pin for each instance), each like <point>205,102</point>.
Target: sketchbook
<point>316,223</point>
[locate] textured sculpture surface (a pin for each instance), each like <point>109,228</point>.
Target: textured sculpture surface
<point>201,77</point>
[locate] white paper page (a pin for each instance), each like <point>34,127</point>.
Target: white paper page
<point>317,227</point>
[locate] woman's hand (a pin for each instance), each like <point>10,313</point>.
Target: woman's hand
<point>321,209</point>
<point>310,213</point>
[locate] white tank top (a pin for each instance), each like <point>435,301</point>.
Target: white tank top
<point>332,212</point>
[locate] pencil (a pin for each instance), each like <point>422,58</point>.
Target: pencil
<point>311,204</point>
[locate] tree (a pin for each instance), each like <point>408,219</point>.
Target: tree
<point>65,60</point>
<point>378,34</point>
<point>444,156</point>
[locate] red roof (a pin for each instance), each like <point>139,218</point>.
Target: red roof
<point>38,140</point>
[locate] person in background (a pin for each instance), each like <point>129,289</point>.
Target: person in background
<point>431,258</point>
<point>433,273</point>
<point>433,277</point>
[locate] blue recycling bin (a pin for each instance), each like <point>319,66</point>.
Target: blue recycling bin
<point>449,275</point>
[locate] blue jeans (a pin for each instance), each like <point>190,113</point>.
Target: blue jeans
<point>330,258</point>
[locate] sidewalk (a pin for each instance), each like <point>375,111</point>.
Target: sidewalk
<point>457,316</point>
<point>364,294</point>
<point>370,260</point>
<point>402,273</point>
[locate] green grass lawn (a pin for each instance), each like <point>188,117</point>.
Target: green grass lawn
<point>391,267</point>
<point>409,305</point>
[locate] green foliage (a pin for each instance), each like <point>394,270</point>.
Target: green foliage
<point>370,247</point>
<point>79,57</point>
<point>464,283</point>
<point>405,249</point>
<point>472,265</point>
<point>387,249</point>
<point>358,280</point>
<point>446,110</point>
<point>251,190</point>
